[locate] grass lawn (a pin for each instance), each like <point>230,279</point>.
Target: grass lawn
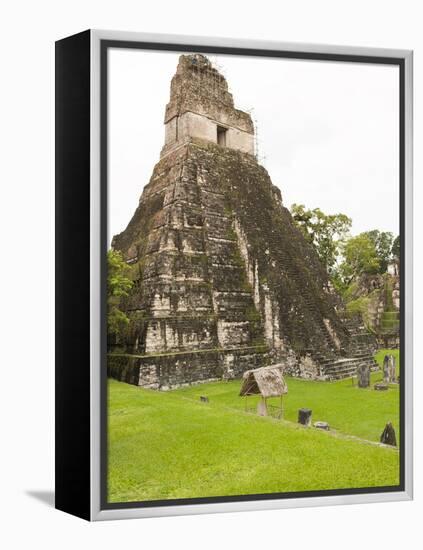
<point>347,408</point>
<point>165,445</point>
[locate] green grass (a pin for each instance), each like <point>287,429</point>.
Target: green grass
<point>348,409</point>
<point>165,445</point>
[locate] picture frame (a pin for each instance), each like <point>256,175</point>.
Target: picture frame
<point>82,172</point>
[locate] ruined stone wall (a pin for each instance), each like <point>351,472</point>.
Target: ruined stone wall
<point>377,297</point>
<point>166,371</point>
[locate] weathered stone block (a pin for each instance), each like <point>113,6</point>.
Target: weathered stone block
<point>321,425</point>
<point>363,376</point>
<point>388,436</point>
<point>304,417</point>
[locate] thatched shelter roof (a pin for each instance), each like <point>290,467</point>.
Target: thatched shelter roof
<point>266,381</point>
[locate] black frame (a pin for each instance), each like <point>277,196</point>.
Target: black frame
<point>72,172</point>
<point>73,389</point>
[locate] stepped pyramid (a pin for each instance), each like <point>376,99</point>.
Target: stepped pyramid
<point>223,280</point>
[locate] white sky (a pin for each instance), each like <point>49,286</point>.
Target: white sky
<point>329,131</point>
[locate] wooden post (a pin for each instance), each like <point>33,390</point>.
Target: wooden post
<point>262,407</point>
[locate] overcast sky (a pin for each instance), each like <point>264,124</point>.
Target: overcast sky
<point>328,131</point>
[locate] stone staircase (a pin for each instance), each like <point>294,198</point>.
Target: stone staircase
<point>361,350</point>
<point>346,367</point>
<point>238,321</point>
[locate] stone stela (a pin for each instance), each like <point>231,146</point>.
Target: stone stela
<point>363,376</point>
<point>388,436</point>
<point>304,417</point>
<point>389,368</point>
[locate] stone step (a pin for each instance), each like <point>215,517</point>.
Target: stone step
<point>342,373</point>
<point>346,371</point>
<point>355,360</point>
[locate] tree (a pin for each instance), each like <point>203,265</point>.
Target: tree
<point>325,232</point>
<point>395,250</point>
<point>360,256</point>
<point>383,241</point>
<point>118,286</point>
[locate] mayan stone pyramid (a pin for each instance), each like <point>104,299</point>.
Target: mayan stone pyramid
<point>223,280</point>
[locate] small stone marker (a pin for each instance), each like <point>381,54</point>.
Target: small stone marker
<point>363,375</point>
<point>381,386</point>
<point>304,417</point>
<point>386,368</point>
<point>389,368</point>
<point>321,425</point>
<point>204,399</point>
<point>388,435</point>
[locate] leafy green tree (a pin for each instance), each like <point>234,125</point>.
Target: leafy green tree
<point>395,251</point>
<point>383,241</point>
<point>360,256</point>
<point>118,285</point>
<point>325,232</point>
